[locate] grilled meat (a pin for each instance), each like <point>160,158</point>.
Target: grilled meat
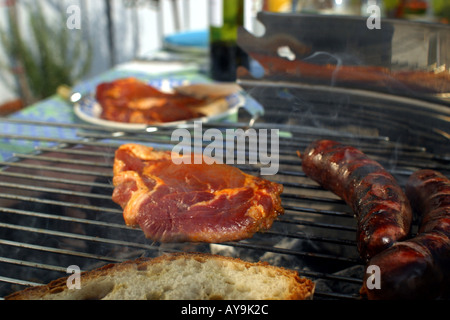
<point>191,202</point>
<point>382,210</point>
<point>132,101</point>
<point>419,268</point>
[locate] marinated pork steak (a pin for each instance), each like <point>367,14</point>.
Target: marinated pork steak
<point>191,202</point>
<point>133,101</point>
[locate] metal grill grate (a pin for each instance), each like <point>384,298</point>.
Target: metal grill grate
<point>56,208</point>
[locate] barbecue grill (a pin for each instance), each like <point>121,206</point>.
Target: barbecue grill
<point>56,207</point>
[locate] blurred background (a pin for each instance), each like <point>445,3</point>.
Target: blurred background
<point>43,45</point>
<point>37,45</point>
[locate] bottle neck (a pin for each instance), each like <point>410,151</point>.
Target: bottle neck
<point>225,18</point>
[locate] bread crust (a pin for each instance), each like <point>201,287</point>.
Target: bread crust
<point>301,288</point>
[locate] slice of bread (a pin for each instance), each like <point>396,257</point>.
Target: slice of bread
<point>179,276</point>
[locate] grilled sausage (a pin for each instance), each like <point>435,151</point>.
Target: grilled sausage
<point>429,194</point>
<point>382,210</point>
<point>418,268</point>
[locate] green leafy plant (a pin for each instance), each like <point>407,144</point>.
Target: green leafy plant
<point>391,4</point>
<point>45,56</point>
<point>442,8</point>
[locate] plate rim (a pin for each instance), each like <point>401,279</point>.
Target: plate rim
<point>232,108</point>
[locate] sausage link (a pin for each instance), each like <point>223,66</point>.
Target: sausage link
<point>381,208</point>
<point>419,268</point>
<point>429,194</point>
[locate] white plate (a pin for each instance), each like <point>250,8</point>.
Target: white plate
<point>89,110</point>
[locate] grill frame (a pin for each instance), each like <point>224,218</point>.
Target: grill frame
<point>313,216</point>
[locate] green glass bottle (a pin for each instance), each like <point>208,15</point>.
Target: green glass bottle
<point>226,16</point>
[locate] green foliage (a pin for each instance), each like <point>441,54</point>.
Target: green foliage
<point>391,4</point>
<point>442,8</point>
<point>51,55</point>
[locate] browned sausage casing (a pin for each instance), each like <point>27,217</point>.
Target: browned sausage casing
<point>382,210</point>
<point>419,268</point>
